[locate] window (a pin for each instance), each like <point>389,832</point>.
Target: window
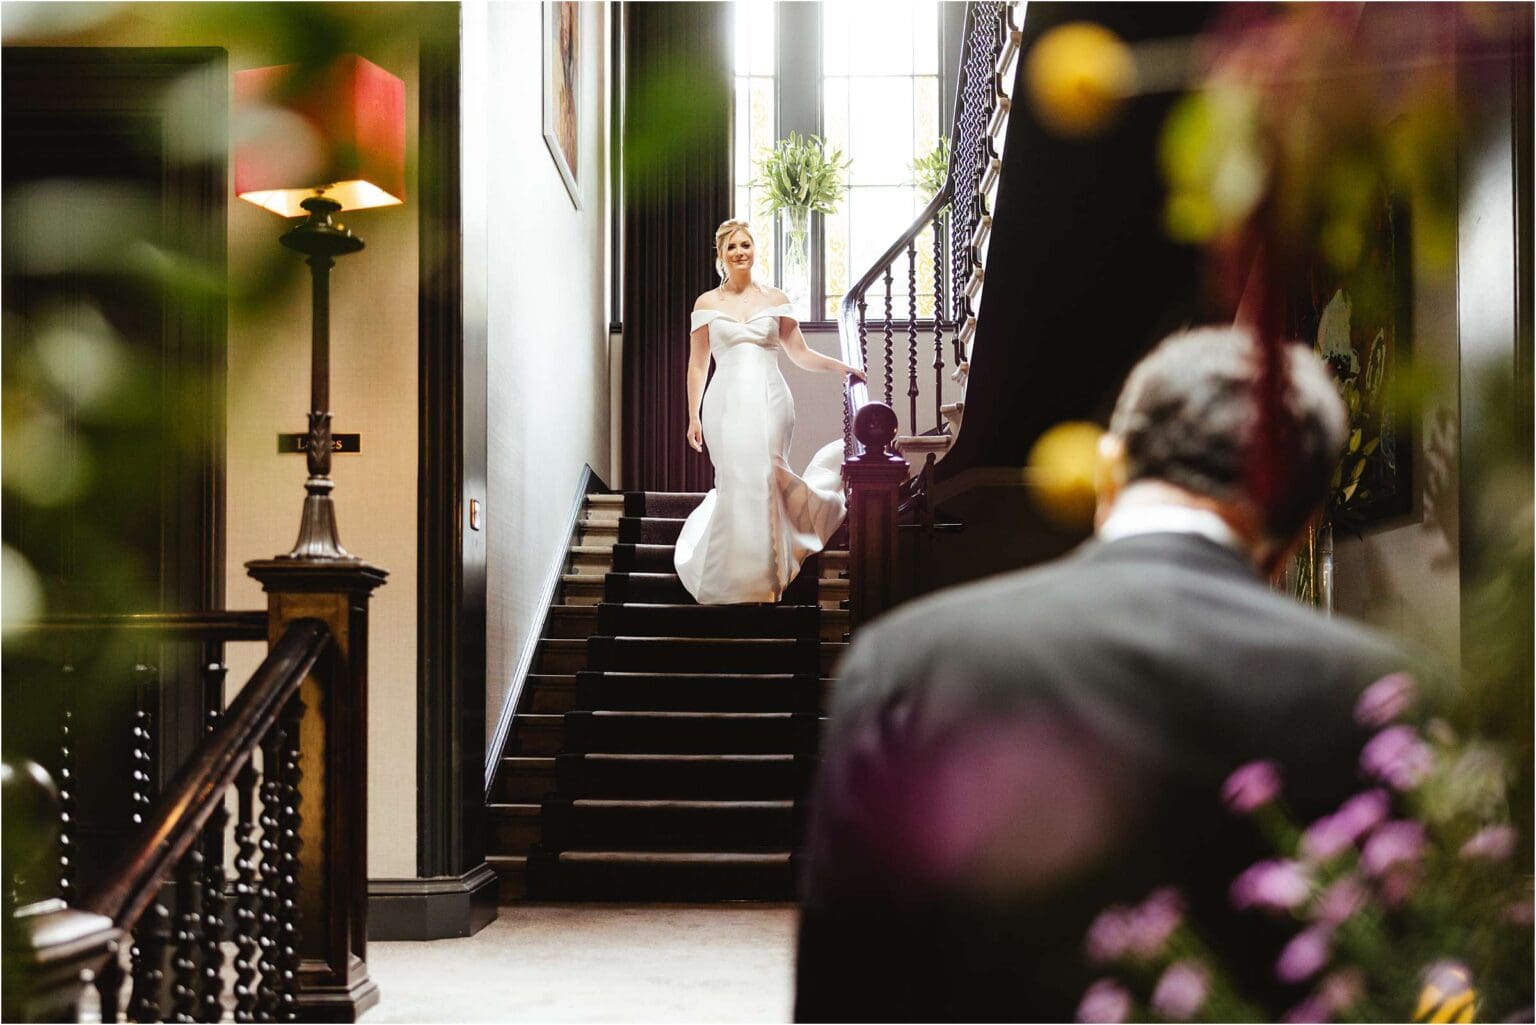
<point>875,80</point>
<point>756,67</point>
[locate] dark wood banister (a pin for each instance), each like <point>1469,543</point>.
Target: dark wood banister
<point>173,626</point>
<point>187,804</point>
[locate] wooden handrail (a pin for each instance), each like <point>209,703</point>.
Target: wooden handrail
<point>174,626</point>
<point>186,806</point>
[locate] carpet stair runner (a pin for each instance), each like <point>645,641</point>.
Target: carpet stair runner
<point>662,749</point>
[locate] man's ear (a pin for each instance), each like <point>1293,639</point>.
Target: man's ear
<point>1108,475</point>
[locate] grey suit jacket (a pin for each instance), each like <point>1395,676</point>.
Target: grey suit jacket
<point>1006,759</point>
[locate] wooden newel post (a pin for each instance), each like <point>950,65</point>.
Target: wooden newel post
<point>874,487</point>
<point>333,758</point>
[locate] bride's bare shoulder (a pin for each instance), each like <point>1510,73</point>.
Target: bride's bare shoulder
<point>708,301</point>
<point>776,294</point>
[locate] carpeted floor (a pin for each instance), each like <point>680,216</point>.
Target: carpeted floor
<point>597,963</point>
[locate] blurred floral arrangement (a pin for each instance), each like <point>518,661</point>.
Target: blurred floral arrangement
<point>930,171</point>
<point>1408,901</point>
<point>801,173</point>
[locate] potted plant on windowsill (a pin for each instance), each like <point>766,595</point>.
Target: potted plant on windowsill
<point>800,175</point>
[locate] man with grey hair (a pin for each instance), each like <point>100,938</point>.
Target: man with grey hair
<point>1007,759</point>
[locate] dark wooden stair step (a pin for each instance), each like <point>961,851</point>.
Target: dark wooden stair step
<point>525,779</point>
<point>696,776</point>
<point>700,692</point>
<point>662,875</point>
<point>704,654</point>
<point>537,734</point>
<point>512,828</point>
<point>644,558</point>
<point>650,530</point>
<point>666,588</point>
<point>549,693</point>
<point>669,504</point>
<point>669,824</point>
<point>668,620</point>
<point>690,732</point>
<point>571,621</point>
<point>513,872</point>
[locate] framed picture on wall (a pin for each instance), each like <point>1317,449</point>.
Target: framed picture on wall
<point>562,79</point>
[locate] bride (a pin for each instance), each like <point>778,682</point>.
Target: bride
<point>746,540</point>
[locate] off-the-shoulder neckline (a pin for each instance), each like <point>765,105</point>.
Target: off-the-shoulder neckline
<point>760,313</point>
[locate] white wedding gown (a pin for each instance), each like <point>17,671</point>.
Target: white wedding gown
<point>746,540</point>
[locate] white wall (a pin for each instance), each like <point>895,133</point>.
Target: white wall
<point>548,405</point>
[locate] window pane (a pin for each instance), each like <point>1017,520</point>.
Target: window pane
<point>741,166</point>
<point>925,38</point>
<point>837,36</point>
<point>880,38</point>
<point>755,24</point>
<point>876,217</point>
<point>761,128</point>
<point>834,112</point>
<point>925,124</point>
<point>835,228</point>
<point>762,233</point>
<point>880,130</point>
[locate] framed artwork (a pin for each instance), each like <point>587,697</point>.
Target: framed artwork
<point>562,79</point>
<point>1361,322</point>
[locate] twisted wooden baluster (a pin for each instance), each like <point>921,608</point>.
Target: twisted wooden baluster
<point>912,334</point>
<point>247,896</point>
<point>211,988</point>
<point>186,998</point>
<point>141,792</point>
<point>889,343</point>
<point>938,317</point>
<point>148,955</point>
<point>214,900</point>
<point>271,873</point>
<point>290,843</point>
<point>67,809</point>
<point>109,987</point>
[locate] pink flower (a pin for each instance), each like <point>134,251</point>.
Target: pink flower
<point>1386,700</point>
<point>1305,955</point>
<point>1397,757</point>
<point>1332,835</point>
<point>1105,1001</point>
<point>1342,989</point>
<point>1341,901</point>
<point>1251,787</point>
<point>1109,937</point>
<point>1395,843</point>
<point>1491,843</point>
<point>1154,920</point>
<point>1312,1009</point>
<point>1181,992</point>
<point>1275,885</point>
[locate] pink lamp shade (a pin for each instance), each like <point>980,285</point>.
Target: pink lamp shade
<point>343,136</point>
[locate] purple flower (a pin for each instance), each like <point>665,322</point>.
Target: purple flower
<point>1305,955</point>
<point>1332,835</point>
<point>1395,843</point>
<point>1314,1008</point>
<point>1397,757</point>
<point>1491,843</point>
<point>1181,992</point>
<point>1109,937</point>
<point>1276,885</point>
<point>1251,787</point>
<point>1154,920</point>
<point>1340,901</point>
<point>1342,989</point>
<point>1386,700</point>
<point>1105,1001</point>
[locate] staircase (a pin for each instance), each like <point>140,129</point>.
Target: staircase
<point>662,749</point>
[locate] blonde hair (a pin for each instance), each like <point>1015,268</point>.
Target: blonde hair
<point>725,231</point>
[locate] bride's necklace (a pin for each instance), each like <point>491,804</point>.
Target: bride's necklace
<point>739,299</point>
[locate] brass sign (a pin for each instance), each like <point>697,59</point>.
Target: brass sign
<point>290,444</point>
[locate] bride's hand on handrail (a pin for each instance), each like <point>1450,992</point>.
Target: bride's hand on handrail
<point>857,375</point>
